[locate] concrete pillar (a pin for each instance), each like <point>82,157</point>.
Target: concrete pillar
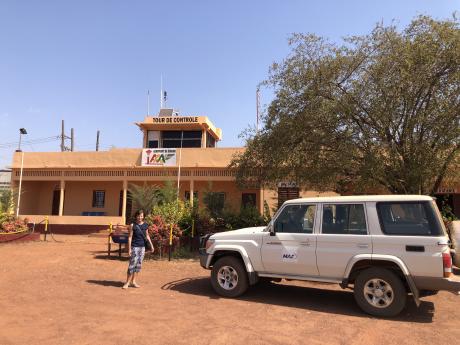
<point>203,138</point>
<point>61,198</point>
<point>192,185</point>
<point>123,205</point>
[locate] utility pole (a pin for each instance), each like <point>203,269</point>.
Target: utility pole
<point>62,136</point>
<point>65,137</point>
<point>97,141</point>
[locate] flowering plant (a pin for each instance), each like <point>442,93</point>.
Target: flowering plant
<point>9,224</point>
<point>159,231</point>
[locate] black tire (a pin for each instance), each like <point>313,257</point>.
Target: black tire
<point>225,284</point>
<point>387,283</point>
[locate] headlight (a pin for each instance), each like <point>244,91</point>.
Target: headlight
<point>209,243</point>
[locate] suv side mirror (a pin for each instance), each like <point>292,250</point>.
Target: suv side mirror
<point>271,229</point>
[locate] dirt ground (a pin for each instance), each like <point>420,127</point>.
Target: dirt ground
<point>70,293</point>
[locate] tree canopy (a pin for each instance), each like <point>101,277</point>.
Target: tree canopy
<point>379,110</point>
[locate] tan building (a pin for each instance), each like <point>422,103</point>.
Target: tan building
<point>91,188</point>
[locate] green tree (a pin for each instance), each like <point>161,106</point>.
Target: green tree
<point>145,196</point>
<point>7,198</point>
<point>172,212</point>
<point>379,110</point>
<point>168,193</point>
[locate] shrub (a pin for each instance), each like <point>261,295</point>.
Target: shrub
<point>247,217</point>
<point>267,215</point>
<point>175,213</point>
<point>9,223</point>
<point>159,231</point>
<point>205,223</point>
<point>7,198</point>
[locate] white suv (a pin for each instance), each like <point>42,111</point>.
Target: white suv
<point>386,247</point>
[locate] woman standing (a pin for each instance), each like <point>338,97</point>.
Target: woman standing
<point>138,236</point>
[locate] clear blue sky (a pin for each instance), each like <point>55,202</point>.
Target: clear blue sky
<point>92,62</point>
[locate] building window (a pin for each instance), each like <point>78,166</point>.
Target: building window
<point>287,193</point>
<point>153,139</point>
<point>215,202</point>
<point>177,139</point>
<point>153,144</point>
<point>98,198</point>
<point>210,141</point>
<point>248,200</point>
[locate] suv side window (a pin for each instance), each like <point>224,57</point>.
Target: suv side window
<point>296,219</point>
<point>344,219</point>
<point>408,219</point>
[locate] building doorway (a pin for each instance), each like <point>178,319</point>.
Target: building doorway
<point>56,202</point>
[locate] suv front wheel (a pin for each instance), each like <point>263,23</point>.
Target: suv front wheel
<point>380,292</point>
<point>229,277</point>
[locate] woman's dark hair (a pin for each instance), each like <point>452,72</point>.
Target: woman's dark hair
<point>138,212</point>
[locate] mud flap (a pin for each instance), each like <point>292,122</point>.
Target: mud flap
<point>414,290</point>
<point>253,278</point>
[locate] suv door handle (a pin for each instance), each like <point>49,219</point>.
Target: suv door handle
<point>274,243</point>
<point>420,249</point>
<point>306,243</point>
<point>362,245</point>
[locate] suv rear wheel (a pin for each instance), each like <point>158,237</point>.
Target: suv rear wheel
<point>229,277</point>
<point>380,292</point>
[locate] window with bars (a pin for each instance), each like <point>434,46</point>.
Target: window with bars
<point>98,198</point>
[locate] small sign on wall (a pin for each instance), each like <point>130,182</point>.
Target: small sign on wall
<point>287,184</point>
<point>447,191</point>
<point>158,157</point>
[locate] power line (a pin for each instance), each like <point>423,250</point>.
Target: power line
<point>32,141</point>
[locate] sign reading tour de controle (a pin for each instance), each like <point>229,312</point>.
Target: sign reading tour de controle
<point>158,157</point>
<point>175,119</point>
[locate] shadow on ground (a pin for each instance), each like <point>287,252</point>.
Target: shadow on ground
<point>112,283</point>
<point>112,257</point>
<point>317,299</point>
